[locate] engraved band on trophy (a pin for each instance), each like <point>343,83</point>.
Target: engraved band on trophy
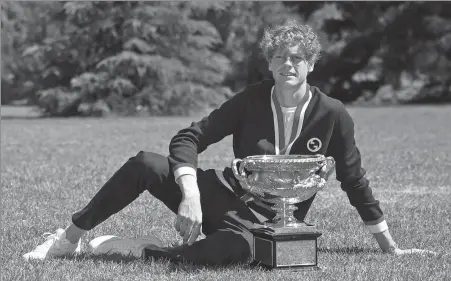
<point>282,181</point>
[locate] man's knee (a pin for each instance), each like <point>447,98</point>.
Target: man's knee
<point>152,164</point>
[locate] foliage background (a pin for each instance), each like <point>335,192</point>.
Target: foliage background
<point>178,58</point>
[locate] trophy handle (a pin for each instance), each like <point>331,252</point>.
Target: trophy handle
<point>238,172</point>
<point>326,168</point>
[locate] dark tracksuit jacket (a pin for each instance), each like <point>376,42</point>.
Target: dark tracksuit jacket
<point>322,125</point>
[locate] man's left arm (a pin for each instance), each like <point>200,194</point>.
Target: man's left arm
<point>350,173</point>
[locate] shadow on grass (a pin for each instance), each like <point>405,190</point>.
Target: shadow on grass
<point>171,266</point>
<point>349,250</point>
<point>117,258</point>
<point>178,266</point>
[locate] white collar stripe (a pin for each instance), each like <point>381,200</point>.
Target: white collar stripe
<point>276,123</point>
<point>297,122</point>
<point>280,123</point>
<point>301,122</point>
<point>297,115</point>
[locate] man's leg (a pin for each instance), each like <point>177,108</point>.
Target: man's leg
<point>226,219</point>
<point>144,171</point>
<point>150,171</point>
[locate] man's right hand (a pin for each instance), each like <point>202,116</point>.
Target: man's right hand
<point>189,218</point>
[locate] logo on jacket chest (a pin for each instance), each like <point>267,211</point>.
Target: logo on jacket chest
<point>314,144</point>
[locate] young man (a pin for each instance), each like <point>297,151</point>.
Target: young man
<point>287,116</point>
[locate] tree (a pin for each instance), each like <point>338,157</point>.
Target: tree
<point>128,56</point>
<point>395,52</point>
<point>23,23</point>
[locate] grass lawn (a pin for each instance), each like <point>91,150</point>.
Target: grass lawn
<point>50,168</point>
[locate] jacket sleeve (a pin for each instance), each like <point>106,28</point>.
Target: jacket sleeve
<point>351,175</point>
<point>189,142</point>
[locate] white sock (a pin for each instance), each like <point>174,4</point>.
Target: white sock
<point>73,233</point>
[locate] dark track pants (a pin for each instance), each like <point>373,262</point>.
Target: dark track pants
<point>226,218</point>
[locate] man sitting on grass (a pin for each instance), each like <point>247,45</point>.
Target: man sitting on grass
<point>280,117</point>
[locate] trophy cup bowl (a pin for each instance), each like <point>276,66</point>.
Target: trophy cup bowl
<point>281,181</point>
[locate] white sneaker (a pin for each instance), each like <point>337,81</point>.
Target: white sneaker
<point>110,244</point>
<point>55,245</point>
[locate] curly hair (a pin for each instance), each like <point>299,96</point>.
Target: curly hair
<point>290,33</point>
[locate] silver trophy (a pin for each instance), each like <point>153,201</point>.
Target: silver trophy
<point>281,181</point>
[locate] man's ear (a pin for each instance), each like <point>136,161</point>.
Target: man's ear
<point>311,66</point>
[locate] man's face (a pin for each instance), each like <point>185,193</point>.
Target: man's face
<point>289,65</point>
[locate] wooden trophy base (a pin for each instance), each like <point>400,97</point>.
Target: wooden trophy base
<point>286,248</point>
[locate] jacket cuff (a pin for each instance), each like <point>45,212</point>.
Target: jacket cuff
<point>184,171</point>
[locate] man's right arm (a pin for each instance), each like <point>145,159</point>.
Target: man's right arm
<point>186,145</point>
<point>183,159</point>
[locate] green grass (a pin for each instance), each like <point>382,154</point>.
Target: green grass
<point>50,168</point>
